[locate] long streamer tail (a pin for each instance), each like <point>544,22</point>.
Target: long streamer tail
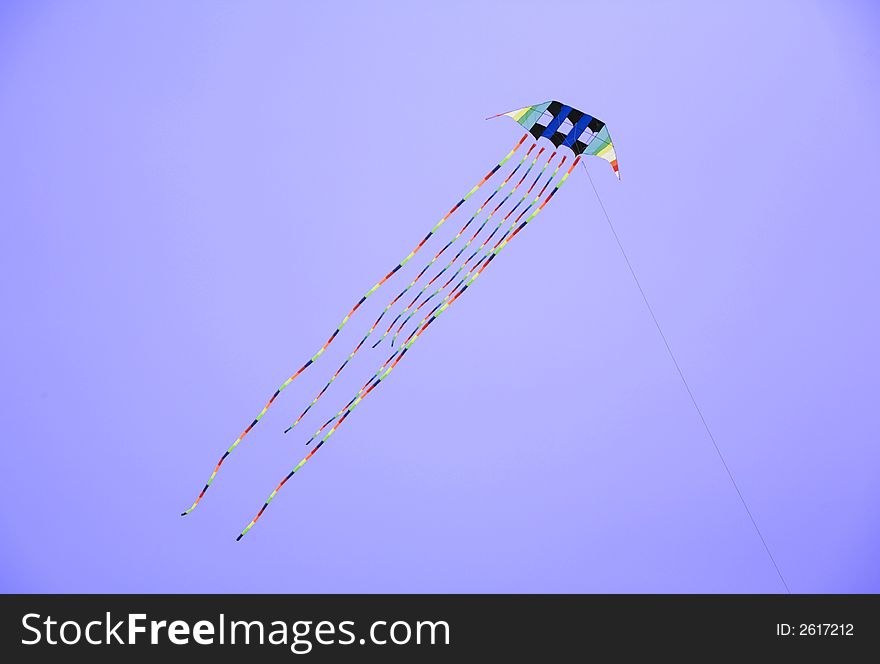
<point>456,238</point>
<point>376,287</point>
<point>404,291</point>
<point>455,258</point>
<point>409,343</point>
<point>481,248</point>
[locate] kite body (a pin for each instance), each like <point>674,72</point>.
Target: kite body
<point>568,127</point>
<point>520,196</point>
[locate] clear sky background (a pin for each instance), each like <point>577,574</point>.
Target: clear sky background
<point>194,194</point>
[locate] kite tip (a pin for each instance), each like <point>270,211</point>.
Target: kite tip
<point>238,539</point>
<point>184,513</point>
<point>287,429</point>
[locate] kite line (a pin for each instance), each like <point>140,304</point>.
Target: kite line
<point>684,382</point>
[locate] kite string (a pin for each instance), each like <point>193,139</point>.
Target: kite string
<point>413,338</point>
<point>376,287</point>
<point>684,381</point>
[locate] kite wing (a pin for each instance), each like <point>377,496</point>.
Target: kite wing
<point>568,127</point>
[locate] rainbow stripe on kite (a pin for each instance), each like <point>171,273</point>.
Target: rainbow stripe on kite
<point>567,127</point>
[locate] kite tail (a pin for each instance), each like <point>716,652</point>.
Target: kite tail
<point>361,391</point>
<point>376,287</point>
<point>411,284</point>
<point>456,237</point>
<point>491,235</point>
<point>410,341</point>
<point>459,234</point>
<point>452,262</point>
<point>459,253</point>
<point>519,202</point>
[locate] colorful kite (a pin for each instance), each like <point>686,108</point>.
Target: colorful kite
<point>564,127</point>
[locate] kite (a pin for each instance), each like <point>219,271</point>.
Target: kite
<point>569,135</point>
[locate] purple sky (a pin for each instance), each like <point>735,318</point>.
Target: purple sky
<point>194,194</point>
